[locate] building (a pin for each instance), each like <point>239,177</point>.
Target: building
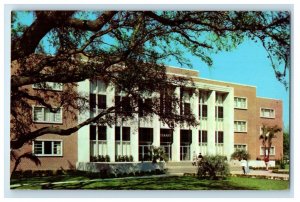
<point>230,116</point>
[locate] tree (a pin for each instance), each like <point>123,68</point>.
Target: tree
<point>127,49</point>
<point>240,154</point>
<point>267,136</point>
<point>286,144</point>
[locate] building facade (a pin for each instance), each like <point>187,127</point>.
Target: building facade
<point>230,117</point>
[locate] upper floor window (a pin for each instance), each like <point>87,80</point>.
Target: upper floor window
<point>98,87</point>
<point>125,133</point>
<point>97,132</point>
<point>202,136</point>
<point>267,113</point>
<point>240,102</point>
<point>240,126</point>
<point>47,147</point>
<point>219,136</point>
<point>48,86</point>
<point>97,100</point>
<point>43,114</point>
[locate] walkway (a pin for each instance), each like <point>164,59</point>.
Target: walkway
<point>262,174</point>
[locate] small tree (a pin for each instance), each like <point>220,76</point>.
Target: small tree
<point>268,133</point>
<point>240,154</point>
<point>158,154</point>
<point>213,167</point>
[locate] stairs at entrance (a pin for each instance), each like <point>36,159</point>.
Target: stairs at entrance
<point>180,168</point>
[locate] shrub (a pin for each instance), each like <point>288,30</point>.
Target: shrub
<point>158,153</point>
<point>213,167</point>
<point>240,154</point>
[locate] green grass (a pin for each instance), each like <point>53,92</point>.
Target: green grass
<point>153,183</point>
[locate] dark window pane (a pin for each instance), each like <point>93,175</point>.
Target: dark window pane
<point>220,112</point>
<point>47,147</point>
<point>187,109</point>
<point>166,136</point>
<point>145,135</point>
<point>203,138</point>
<point>204,110</point>
<point>101,132</point>
<point>141,108</point>
<point>117,104</point>
<point>185,136</point>
<point>126,133</point>
<point>126,106</point>
<point>92,132</point>
<point>117,133</point>
<point>92,101</point>
<point>220,136</point>
<point>102,101</point>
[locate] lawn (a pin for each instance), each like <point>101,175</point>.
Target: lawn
<point>152,183</point>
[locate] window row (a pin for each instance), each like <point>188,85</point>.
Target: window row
<point>48,86</point>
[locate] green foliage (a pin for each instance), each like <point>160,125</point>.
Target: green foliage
<point>124,158</point>
<point>286,144</point>
<point>240,154</point>
<point>100,158</point>
<point>213,167</point>
<point>158,153</point>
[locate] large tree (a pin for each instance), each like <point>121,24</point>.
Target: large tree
<point>128,49</point>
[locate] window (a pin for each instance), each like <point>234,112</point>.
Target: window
<point>202,136</point>
<point>272,150</point>
<point>240,102</point>
<point>145,135</point>
<point>47,147</point>
<point>267,113</point>
<point>166,136</point>
<point>240,126</point>
<point>219,112</point>
<point>186,109</point>
<point>125,107</point>
<point>166,104</point>
<point>145,106</point>
<point>203,111</point>
<point>240,147</point>
<point>185,137</point>
<point>48,86</point>
<point>125,133</point>
<point>101,104</point>
<point>42,114</point>
<point>219,137</point>
<point>100,130</point>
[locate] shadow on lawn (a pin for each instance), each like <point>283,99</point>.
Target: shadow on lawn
<point>168,183</point>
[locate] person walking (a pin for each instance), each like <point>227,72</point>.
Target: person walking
<point>244,165</point>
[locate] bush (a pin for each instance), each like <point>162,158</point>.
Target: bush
<point>158,153</point>
<point>213,167</point>
<point>240,154</point>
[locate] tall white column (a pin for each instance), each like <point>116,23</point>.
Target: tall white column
<point>195,134</point>
<point>211,125</point>
<point>134,141</point>
<point>111,148</point>
<point>156,131</point>
<point>176,133</point>
<point>84,132</point>
<point>229,124</point>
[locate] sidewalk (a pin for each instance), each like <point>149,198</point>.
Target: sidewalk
<point>262,174</point>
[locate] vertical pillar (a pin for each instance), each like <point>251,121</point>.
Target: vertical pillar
<point>110,96</point>
<point>195,137</point>
<point>156,131</point>
<point>229,124</point>
<point>211,123</point>
<point>176,133</point>
<point>134,141</point>
<point>84,132</point>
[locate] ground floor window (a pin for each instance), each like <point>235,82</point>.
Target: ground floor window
<point>272,150</point>
<point>47,147</point>
<point>145,144</point>
<point>240,147</point>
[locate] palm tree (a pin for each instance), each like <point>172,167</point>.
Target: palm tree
<point>268,133</point>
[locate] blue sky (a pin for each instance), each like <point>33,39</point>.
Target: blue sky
<point>247,64</point>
